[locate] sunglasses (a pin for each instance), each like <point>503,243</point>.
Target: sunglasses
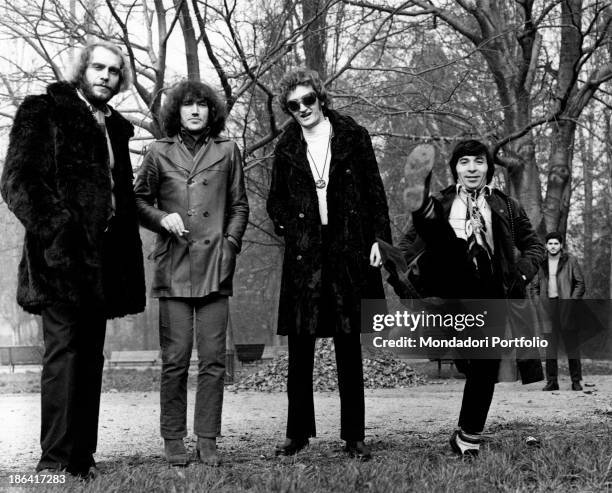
<point>309,99</point>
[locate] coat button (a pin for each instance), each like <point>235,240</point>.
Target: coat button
<point>348,171</point>
<point>207,242</point>
<point>190,212</point>
<point>299,257</point>
<point>301,215</point>
<point>205,214</point>
<point>204,181</point>
<point>190,181</point>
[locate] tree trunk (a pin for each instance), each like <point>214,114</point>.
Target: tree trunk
<point>315,37</point>
<point>524,179</point>
<point>189,38</point>
<point>588,161</point>
<point>558,191</point>
<point>607,197</point>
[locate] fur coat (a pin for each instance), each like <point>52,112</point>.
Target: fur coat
<point>357,215</point>
<point>57,181</point>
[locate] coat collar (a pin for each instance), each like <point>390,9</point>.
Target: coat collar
<point>293,146</point>
<point>499,207</point>
<point>208,155</point>
<point>75,109</point>
<point>563,258</point>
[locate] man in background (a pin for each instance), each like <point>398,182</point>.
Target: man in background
<point>560,278</point>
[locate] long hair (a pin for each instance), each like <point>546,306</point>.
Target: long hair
<point>189,89</point>
<point>303,77</point>
<point>82,61</point>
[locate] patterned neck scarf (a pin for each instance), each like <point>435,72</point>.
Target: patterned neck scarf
<point>479,251</point>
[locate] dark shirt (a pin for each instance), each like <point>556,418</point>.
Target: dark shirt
<point>193,142</point>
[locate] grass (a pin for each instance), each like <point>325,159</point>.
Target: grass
<point>570,459</point>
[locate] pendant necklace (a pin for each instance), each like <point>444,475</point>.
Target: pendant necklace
<point>320,183</point>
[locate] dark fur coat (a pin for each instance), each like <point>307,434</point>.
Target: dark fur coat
<point>357,215</point>
<point>57,182</point>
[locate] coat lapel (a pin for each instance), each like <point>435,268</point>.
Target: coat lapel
<point>293,147</point>
<point>342,140</point>
<point>76,117</point>
<point>208,155</point>
<point>178,154</point>
<point>446,200</point>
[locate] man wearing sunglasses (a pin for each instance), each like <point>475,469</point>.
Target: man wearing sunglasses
<point>328,202</point>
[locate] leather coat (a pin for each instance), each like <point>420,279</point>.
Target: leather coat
<point>570,281</point>
<point>570,286</point>
<point>208,192</point>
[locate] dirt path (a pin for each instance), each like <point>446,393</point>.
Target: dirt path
<point>129,422</point>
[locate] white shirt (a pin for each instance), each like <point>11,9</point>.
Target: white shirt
<point>318,152</point>
<point>553,264</point>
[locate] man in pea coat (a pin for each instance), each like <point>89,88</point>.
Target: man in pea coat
<point>190,191</point>
<point>328,203</point>
<point>68,179</point>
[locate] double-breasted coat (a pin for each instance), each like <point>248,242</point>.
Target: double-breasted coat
<point>208,192</point>
<point>57,181</point>
<point>357,215</point>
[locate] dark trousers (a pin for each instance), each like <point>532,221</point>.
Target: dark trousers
<point>177,319</point>
<point>301,416</point>
<point>571,343</point>
<point>480,379</point>
<point>70,387</point>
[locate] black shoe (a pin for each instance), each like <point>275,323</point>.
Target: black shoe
<point>551,385</point>
<point>466,454</point>
<point>207,451</point>
<point>85,475</point>
<point>576,385</point>
<point>92,473</point>
<point>175,452</point>
<point>291,446</point>
<point>358,450</point>
<point>55,471</point>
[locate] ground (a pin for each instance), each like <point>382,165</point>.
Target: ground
<point>254,422</point>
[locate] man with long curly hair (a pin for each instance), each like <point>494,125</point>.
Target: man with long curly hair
<point>190,191</point>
